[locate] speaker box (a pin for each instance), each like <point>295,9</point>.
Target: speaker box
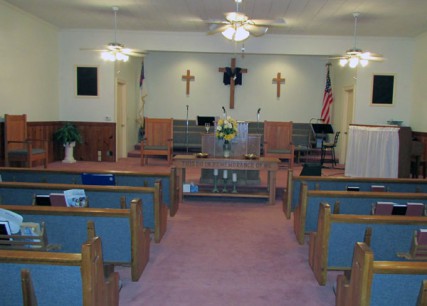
<point>311,170</point>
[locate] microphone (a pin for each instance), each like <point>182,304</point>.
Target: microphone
<point>187,106</point>
<point>223,110</point>
<point>259,109</point>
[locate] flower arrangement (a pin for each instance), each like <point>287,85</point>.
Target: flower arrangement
<point>226,129</point>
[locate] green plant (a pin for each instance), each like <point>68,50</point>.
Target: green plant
<point>68,133</point>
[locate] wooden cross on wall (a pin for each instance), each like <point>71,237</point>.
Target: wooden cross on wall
<point>188,77</point>
<point>278,81</point>
<point>233,67</point>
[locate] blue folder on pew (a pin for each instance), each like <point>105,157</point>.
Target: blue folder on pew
<point>98,179</point>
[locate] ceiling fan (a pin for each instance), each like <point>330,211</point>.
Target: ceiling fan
<point>356,56</point>
<point>238,27</point>
<point>115,51</point>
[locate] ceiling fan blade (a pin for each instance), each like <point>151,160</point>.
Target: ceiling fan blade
<point>255,30</point>
<point>93,49</point>
<point>217,28</point>
<point>269,23</point>
<point>135,53</point>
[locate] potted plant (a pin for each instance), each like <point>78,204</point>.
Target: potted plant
<point>68,135</point>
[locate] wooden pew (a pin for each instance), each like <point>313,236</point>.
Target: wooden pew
<point>28,293</point>
<point>124,238</point>
<point>155,214</point>
<point>122,178</point>
<point>346,202</point>
<point>331,247</point>
<point>60,278</point>
<point>380,283</point>
<point>292,191</point>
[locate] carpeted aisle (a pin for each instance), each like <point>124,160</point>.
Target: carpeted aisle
<point>223,253</point>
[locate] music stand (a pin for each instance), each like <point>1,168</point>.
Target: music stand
<point>321,131</point>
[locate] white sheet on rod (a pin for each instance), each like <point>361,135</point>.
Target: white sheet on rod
<point>372,152</point>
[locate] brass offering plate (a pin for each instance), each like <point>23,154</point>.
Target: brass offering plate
<point>201,155</point>
<point>250,156</point>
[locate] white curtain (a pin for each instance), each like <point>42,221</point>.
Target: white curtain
<point>372,152</point>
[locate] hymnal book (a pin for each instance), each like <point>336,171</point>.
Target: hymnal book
<point>415,209</point>
<point>58,199</point>
<point>75,198</point>
<point>353,188</point>
<point>5,230</point>
<point>377,188</point>
<point>384,208</point>
<point>399,209</point>
<point>42,200</point>
<point>422,236</point>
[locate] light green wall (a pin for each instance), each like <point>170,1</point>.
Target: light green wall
<point>419,110</point>
<point>29,65</point>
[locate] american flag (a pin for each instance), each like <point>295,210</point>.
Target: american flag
<point>327,100</point>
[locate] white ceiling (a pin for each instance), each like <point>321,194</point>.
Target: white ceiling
<point>398,18</point>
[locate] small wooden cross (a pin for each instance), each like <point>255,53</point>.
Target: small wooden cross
<point>278,81</point>
<point>188,78</point>
<point>233,67</point>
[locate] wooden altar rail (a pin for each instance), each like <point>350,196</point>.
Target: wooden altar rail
<point>271,165</point>
<point>97,136</point>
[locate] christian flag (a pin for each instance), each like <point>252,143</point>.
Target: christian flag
<point>327,100</point>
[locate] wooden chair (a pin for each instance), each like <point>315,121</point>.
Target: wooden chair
<point>158,139</point>
<point>278,141</point>
<point>18,147</point>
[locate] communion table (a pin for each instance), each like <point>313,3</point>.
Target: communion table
<point>271,165</point>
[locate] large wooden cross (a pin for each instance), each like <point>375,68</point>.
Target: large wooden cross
<point>233,67</point>
<point>278,81</point>
<point>188,77</point>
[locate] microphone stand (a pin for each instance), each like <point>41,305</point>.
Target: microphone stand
<point>186,132</point>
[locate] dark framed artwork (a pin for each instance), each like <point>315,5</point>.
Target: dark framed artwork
<point>87,81</point>
<point>382,89</point>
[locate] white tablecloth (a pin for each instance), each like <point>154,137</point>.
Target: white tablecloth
<point>372,152</point>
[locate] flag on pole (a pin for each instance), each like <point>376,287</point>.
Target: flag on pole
<point>327,100</point>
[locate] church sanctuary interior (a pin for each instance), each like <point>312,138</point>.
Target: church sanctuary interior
<point>213,152</point>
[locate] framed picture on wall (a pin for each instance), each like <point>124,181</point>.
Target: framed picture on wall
<point>382,89</point>
<point>86,81</point>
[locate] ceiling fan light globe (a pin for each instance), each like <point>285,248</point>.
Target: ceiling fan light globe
<point>364,62</point>
<point>228,33</point>
<point>108,56</point>
<point>122,57</point>
<point>353,62</point>
<point>343,62</point>
<point>241,34</point>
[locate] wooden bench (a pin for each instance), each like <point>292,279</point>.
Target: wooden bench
<point>60,278</point>
<point>122,178</point>
<point>381,283</point>
<point>306,213</point>
<point>124,238</point>
<point>155,214</point>
<point>293,189</point>
<point>331,247</point>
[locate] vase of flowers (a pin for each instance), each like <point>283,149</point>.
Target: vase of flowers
<point>226,130</point>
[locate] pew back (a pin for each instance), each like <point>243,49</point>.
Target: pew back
<point>124,238</point>
<point>60,278</point>
<point>291,197</point>
<point>379,283</point>
<point>331,247</point>
<point>122,178</point>
<point>154,213</point>
<point>358,203</point>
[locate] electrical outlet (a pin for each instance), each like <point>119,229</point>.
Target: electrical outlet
<point>99,156</point>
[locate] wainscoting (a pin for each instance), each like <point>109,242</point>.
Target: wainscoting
<point>97,136</point>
